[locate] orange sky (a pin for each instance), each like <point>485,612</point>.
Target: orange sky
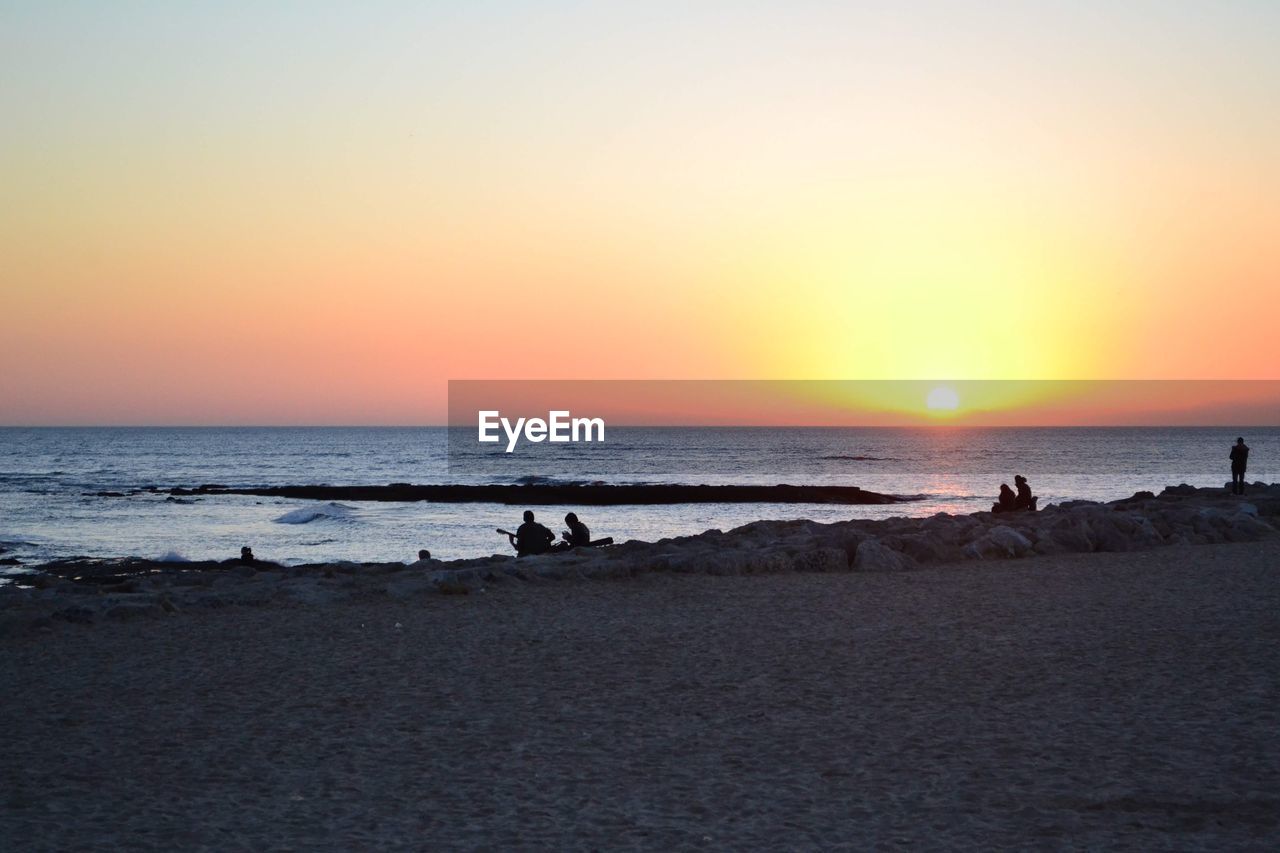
<point>228,215</point>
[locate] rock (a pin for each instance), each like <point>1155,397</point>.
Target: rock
<point>873,556</point>
<point>822,560</point>
<point>1243,527</point>
<point>608,569</point>
<point>931,547</point>
<point>1046,545</point>
<point>1146,535</point>
<point>549,568</point>
<point>1108,535</point>
<point>1000,542</point>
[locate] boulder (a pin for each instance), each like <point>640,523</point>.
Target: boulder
<point>874,556</point>
<point>1109,535</point>
<point>929,547</point>
<point>1000,542</point>
<point>821,560</point>
<point>1242,527</point>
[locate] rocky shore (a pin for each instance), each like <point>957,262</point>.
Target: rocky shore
<point>88,591</point>
<point>91,591</point>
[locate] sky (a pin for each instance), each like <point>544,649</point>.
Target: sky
<point>302,213</point>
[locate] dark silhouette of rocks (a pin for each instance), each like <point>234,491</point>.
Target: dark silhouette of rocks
<point>86,591</point>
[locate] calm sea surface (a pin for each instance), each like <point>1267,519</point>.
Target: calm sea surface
<point>45,475</point>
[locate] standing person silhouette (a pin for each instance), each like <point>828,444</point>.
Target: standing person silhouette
<point>1239,462</point>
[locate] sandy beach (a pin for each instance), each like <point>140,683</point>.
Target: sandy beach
<point>1106,700</point>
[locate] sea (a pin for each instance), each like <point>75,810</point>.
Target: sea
<point>50,479</point>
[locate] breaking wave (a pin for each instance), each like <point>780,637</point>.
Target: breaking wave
<point>308,514</point>
<point>535,480</point>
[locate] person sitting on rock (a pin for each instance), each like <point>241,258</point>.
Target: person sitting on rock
<point>246,556</point>
<point>1008,501</point>
<point>424,554</point>
<point>577,536</point>
<point>1025,499</point>
<point>531,537</point>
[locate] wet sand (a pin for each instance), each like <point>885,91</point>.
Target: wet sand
<point>1106,700</point>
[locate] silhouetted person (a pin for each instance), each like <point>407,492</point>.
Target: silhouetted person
<point>531,537</point>
<point>1239,462</point>
<point>578,535</point>
<point>1008,500</point>
<point>1025,499</point>
<point>424,554</point>
<point>246,556</point>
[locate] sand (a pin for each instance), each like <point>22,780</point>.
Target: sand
<point>1120,701</point>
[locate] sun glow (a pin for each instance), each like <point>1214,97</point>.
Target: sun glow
<point>942,399</point>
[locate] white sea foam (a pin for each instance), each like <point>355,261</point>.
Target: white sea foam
<point>173,557</point>
<point>308,514</point>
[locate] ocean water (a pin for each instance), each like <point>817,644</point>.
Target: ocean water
<point>48,477</point>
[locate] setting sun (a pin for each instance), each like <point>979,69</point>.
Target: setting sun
<point>943,399</point>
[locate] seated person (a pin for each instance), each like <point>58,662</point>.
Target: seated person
<point>1008,500</point>
<point>531,537</point>
<point>577,536</point>
<point>1025,499</point>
